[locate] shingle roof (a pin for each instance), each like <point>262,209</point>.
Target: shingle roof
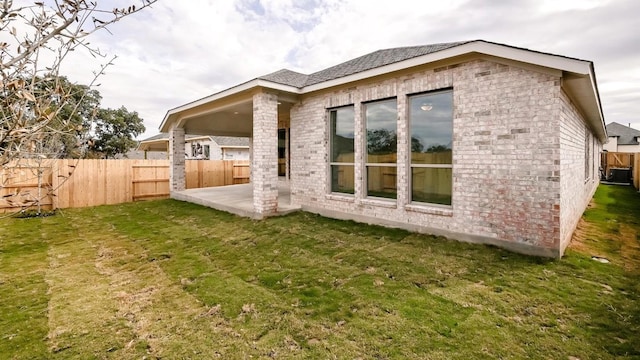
<point>157,137</point>
<point>286,77</point>
<point>231,141</point>
<point>376,59</point>
<point>228,141</point>
<point>625,134</point>
<point>366,62</point>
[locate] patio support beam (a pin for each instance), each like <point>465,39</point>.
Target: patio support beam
<point>264,160</point>
<point>176,159</point>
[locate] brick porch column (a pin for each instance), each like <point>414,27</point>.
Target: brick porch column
<point>177,180</point>
<point>264,159</point>
<point>250,158</point>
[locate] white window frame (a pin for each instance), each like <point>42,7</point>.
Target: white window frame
<point>588,159</point>
<point>365,163</point>
<point>330,147</point>
<point>429,166</point>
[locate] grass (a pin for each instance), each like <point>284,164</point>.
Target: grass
<point>173,280</point>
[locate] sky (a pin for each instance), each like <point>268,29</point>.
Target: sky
<point>180,51</point>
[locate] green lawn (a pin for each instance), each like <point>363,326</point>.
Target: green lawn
<point>172,280</point>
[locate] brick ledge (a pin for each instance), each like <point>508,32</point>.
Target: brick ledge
<point>425,209</point>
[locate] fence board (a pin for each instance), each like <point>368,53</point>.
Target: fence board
<point>617,160</point>
<point>636,171</point>
<point>150,179</point>
<point>191,173</point>
<point>240,173</point>
<point>80,183</point>
<point>22,183</point>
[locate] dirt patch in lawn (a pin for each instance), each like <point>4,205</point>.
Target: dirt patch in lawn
<point>614,240</point>
<point>162,316</point>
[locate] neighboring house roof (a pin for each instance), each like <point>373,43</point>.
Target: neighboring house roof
<point>160,142</point>
<point>138,155</point>
<point>160,136</point>
<point>579,75</point>
<point>626,135</point>
<point>231,141</point>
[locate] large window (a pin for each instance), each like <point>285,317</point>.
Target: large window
<point>431,131</point>
<point>382,149</point>
<point>282,152</point>
<point>588,160</point>
<point>342,149</point>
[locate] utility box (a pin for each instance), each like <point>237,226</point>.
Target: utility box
<point>621,175</point>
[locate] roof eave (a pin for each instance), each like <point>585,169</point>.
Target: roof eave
<point>581,69</point>
<point>171,114</point>
<point>234,146</point>
<point>581,81</point>
<point>583,89</point>
<point>477,46</point>
<point>153,145</point>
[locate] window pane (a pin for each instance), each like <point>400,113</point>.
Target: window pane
<point>342,133</point>
<point>342,179</point>
<point>431,119</point>
<point>381,181</point>
<point>381,120</point>
<point>431,185</point>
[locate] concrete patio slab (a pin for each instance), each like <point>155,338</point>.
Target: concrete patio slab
<point>235,199</point>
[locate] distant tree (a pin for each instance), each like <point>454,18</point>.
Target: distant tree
<point>438,148</point>
<point>381,141</point>
<point>70,127</point>
<point>416,145</point>
<point>115,131</point>
<point>35,103</point>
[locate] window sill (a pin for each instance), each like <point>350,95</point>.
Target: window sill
<point>391,204</point>
<point>432,210</point>
<point>340,197</point>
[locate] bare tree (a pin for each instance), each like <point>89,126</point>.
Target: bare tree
<point>35,40</point>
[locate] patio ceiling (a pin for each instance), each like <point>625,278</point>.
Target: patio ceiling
<point>231,120</point>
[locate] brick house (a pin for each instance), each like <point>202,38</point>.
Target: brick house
<point>476,141</point>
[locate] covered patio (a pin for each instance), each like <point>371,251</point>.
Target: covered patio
<point>236,199</point>
<point>259,110</point>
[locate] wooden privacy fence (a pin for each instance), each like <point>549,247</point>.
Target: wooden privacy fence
<point>382,179</point>
<point>67,183</point>
<point>613,160</point>
<point>636,171</point>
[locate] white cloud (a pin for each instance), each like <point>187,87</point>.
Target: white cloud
<point>180,51</point>
<point>548,6</point>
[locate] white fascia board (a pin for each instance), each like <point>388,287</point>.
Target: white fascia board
<point>234,146</point>
<point>146,145</point>
<point>198,138</point>
<point>577,66</point>
<point>155,141</point>
<point>482,47</point>
<point>596,92</point>
<point>255,83</point>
